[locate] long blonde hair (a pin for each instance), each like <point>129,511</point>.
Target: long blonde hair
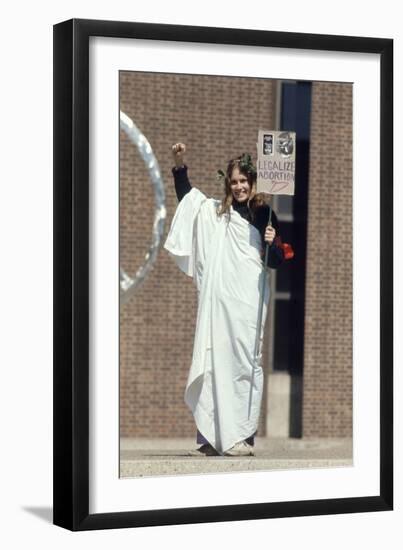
<point>226,202</point>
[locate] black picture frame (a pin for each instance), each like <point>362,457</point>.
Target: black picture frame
<point>72,284</point>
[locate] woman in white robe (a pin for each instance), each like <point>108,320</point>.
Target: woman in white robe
<point>211,242</point>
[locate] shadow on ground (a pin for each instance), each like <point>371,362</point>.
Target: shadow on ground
<point>151,457</point>
<point>43,512</point>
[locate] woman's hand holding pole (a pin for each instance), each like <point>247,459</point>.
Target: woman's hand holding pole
<point>269,234</point>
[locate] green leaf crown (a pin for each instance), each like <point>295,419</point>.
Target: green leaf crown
<point>245,164</point>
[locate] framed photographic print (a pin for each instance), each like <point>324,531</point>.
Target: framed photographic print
<point>223,274</point>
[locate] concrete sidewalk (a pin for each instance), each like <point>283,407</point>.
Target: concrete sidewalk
<point>142,457</point>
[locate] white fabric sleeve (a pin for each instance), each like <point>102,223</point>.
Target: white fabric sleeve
<point>181,236</point>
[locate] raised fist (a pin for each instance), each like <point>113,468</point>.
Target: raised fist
<point>178,153</point>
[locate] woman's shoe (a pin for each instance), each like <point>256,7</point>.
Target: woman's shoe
<point>204,450</point>
<point>240,449</point>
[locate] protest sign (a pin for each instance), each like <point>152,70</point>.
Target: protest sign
<point>276,162</point>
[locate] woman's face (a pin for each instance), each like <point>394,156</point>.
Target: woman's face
<point>240,187</point>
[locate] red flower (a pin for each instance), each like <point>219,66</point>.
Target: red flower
<point>288,251</point>
<point>286,247</point>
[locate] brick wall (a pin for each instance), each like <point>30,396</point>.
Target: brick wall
<point>327,381</point>
<point>217,118</point>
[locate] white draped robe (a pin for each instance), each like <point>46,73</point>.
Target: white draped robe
<point>225,383</point>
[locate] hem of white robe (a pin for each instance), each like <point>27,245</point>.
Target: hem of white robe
<point>176,251</point>
<point>222,453</point>
<point>180,256</point>
<point>207,416</point>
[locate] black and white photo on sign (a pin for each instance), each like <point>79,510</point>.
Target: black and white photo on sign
<point>268,144</point>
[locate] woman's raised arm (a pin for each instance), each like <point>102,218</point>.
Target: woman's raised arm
<point>179,171</point>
